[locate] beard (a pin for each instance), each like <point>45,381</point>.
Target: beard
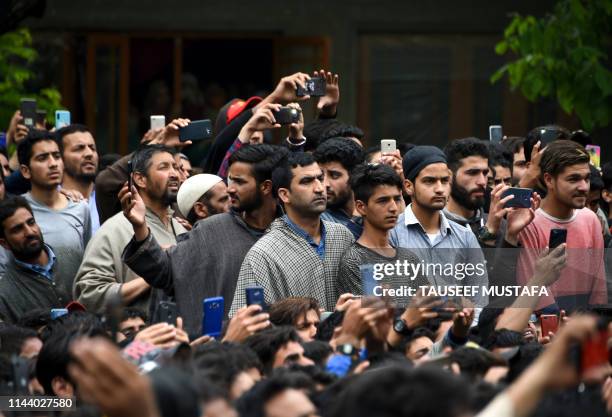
<point>249,204</point>
<point>340,201</point>
<point>80,175</point>
<point>168,197</point>
<point>28,252</point>
<point>462,196</point>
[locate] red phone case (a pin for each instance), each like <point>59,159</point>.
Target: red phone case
<point>549,323</point>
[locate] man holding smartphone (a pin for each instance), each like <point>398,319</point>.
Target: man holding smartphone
<point>566,174</point>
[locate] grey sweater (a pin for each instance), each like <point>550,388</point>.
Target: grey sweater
<point>22,290</point>
<point>204,264</point>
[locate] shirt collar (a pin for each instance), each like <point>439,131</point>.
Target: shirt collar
<point>297,229</point>
<point>410,219</point>
<point>44,270</point>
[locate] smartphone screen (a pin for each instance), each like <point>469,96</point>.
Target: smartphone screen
<point>495,133</point>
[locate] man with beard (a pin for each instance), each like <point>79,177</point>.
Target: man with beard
<point>65,224</point>
<point>337,157</point>
<point>468,160</point>
<point>36,276</point>
<point>202,196</point>
<point>300,255</point>
<point>566,174</point>
<point>103,275</point>
<point>424,226</point>
<point>80,165</point>
<point>206,263</point>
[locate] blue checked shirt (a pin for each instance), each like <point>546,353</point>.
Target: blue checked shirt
<point>45,271</point>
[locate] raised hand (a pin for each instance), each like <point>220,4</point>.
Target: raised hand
<point>519,218</point>
<point>285,91</point>
<point>134,210</point>
<point>328,104</point>
<point>169,136</point>
<point>296,130</point>
<point>246,321</point>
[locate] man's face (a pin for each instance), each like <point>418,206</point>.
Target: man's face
<point>80,156</point>
<point>46,165</point>
<point>498,175</point>
<point>306,194</point>
<point>219,201</point>
<point>519,167</point>
<point>290,403</point>
<point>5,165</point>
<point>593,200</point>
<point>306,325</point>
<point>291,353</point>
<point>382,208</point>
<point>418,349</point>
<point>242,188</point>
<point>431,187</point>
<point>22,235</point>
<point>162,181</point>
<point>129,328</point>
<point>470,182</point>
<point>571,186</point>
<point>336,185</point>
<point>179,169</point>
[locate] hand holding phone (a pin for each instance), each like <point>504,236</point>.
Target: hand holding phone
<point>168,312</point>
<point>557,238</point>
<point>196,130</point>
<point>28,112</point>
<point>521,199</point>
<point>388,145</point>
<point>286,115</point>
<point>315,87</point>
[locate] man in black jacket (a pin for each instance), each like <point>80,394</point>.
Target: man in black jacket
<point>207,262</point>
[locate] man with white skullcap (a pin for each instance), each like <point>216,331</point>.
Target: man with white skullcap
<point>201,196</point>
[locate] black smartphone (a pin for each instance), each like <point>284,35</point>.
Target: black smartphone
<point>557,237</point>
<point>547,136</point>
<point>130,175</point>
<point>255,295</point>
<point>196,130</point>
<point>286,115</point>
<point>21,375</point>
<point>315,87</point>
<point>113,315</point>
<point>41,117</point>
<point>28,112</point>
<point>522,197</point>
<point>167,312</point>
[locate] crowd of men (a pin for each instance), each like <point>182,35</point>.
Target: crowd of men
<point>112,267</point>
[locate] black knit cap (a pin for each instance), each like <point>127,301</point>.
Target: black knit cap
<point>418,158</point>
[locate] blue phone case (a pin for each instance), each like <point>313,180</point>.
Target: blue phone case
<point>213,316</point>
<point>62,118</point>
<point>58,312</point>
<point>255,295</point>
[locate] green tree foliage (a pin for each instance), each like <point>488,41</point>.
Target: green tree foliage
<point>17,58</point>
<point>564,56</point>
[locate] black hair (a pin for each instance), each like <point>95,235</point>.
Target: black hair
<point>222,362</point>
<point>325,330</point>
<point>369,153</point>
<point>141,158</point>
<point>24,148</point>
<point>9,206</point>
<point>416,334</point>
<point>12,338</point>
<point>391,392</point>
<point>175,392</point>
<point>474,362</point>
<point>502,338</point>
<point>597,182</point>
<point>535,135</point>
<point>513,143</point>
<point>253,402</point>
<point>108,159</point>
<point>80,322</point>
<point>70,129</point>
<point>525,356</point>
<point>318,351</point>
<point>269,341</point>
<point>366,177</point>
<point>262,158</point>
<point>342,130</point>
<point>53,360</point>
<point>341,150</point>
<point>500,156</point>
<point>313,131</point>
<point>133,313</point>
<point>283,174</point>
<point>459,149</point>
